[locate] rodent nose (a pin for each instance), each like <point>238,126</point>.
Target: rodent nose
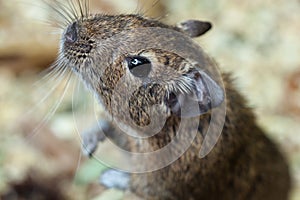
<point>71,33</point>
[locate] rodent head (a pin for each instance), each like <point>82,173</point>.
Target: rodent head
<point>128,66</point>
<point>82,36</point>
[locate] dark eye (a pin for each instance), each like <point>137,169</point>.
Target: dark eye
<point>139,66</point>
<point>71,33</point>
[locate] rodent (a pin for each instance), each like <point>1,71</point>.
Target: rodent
<point>244,164</point>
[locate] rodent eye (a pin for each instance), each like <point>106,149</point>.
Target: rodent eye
<point>139,66</point>
<point>71,33</point>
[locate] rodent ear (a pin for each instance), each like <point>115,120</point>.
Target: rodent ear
<point>205,93</point>
<point>194,28</point>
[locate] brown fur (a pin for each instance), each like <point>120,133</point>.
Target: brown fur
<point>244,164</point>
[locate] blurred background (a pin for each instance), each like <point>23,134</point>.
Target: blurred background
<point>258,41</point>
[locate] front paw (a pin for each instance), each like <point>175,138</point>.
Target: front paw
<point>112,178</point>
<point>93,136</point>
<point>89,143</point>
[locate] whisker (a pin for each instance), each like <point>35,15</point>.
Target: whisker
<point>73,8</point>
<point>87,7</point>
<point>54,23</point>
<point>162,17</point>
<point>54,108</point>
<point>50,73</point>
<point>139,8</point>
<point>154,4</point>
<point>49,92</point>
<point>80,8</point>
<point>56,74</point>
<point>55,77</point>
<point>70,8</point>
<point>60,9</point>
<point>77,88</point>
<point>78,165</point>
<point>54,66</point>
<point>64,21</point>
<point>57,31</point>
<point>45,5</point>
